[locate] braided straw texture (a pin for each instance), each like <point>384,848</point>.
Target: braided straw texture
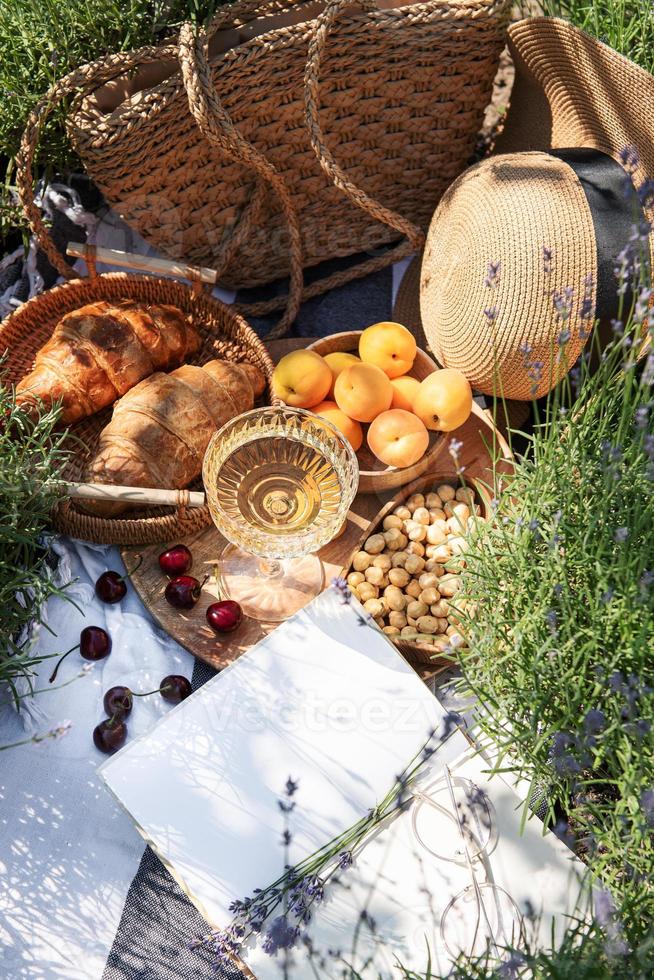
<point>570,91</point>
<point>226,335</point>
<point>211,163</point>
<point>504,210</point>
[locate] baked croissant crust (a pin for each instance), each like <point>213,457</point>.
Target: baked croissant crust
<point>159,430</point>
<point>100,351</point>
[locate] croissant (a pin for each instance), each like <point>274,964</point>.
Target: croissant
<point>100,351</point>
<point>159,430</point>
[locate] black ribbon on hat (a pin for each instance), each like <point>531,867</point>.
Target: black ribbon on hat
<point>615,209</point>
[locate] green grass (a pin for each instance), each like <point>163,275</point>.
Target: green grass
<point>41,40</point>
<point>626,25</point>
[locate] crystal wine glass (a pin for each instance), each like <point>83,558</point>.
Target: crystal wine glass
<point>279,483</point>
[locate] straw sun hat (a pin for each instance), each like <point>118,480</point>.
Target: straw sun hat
<point>522,250</point>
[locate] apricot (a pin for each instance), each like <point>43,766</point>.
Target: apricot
<point>444,400</point>
<point>389,346</point>
<point>362,391</point>
<point>398,438</point>
<point>349,427</point>
<point>302,379</point>
<point>405,389</point>
<point>337,361</point>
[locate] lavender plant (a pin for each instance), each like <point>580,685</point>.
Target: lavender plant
<point>561,644</point>
<point>279,914</point>
<point>33,455</point>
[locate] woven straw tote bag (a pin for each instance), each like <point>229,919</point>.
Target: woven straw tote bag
<point>222,149</point>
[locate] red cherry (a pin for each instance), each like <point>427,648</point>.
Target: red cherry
<point>176,560</point>
<point>118,701</point>
<point>110,735</point>
<point>184,591</point>
<point>224,616</point>
<point>175,688</point>
<point>110,587</point>
<point>94,644</point>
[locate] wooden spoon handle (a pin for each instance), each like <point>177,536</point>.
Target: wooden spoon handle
<point>135,495</point>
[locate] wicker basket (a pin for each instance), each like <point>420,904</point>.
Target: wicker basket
<point>227,153</point>
<point>226,335</point>
<point>375,476</point>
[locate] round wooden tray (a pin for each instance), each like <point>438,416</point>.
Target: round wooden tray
<point>190,628</point>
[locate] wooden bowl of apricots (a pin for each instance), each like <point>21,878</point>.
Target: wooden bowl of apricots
<point>386,395</point>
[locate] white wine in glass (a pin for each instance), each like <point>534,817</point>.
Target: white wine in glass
<point>279,483</point>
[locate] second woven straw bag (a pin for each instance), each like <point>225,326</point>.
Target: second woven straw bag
<point>222,149</point>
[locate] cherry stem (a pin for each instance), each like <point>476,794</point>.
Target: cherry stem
<point>129,574</point>
<point>145,694</point>
<point>53,675</point>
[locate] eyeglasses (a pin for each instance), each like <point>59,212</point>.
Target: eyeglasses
<point>455,811</point>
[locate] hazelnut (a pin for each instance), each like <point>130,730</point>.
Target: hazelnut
<point>441,553</point>
<point>374,607</point>
<point>414,564</point>
<point>391,630</point>
<point>361,561</point>
<point>413,589</point>
<point>454,524</point>
<point>402,512</point>
<point>392,521</point>
<point>395,598</point>
<point>416,548</point>
<point>431,565</point>
<point>398,558</point>
<point>355,578</point>
<point>383,562</point>
<point>462,511</point>
<point>466,495</point>
<point>367,591</point>
<point>409,632</point>
<point>377,576</point>
<point>435,534</point>
<point>427,624</point>
<point>416,608</point>
<point>399,577</point>
<point>397,618</point>
<point>429,596</point>
<point>421,515</point>
<point>448,586</point>
<point>432,500</point>
<point>416,532</point>
<point>442,624</point>
<point>415,500</point>
<point>440,609</point>
<point>394,539</point>
<point>458,545</point>
<point>374,545</point>
<point>445,492</point>
<point>437,514</point>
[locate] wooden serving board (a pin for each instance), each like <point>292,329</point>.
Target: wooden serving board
<point>190,629</point>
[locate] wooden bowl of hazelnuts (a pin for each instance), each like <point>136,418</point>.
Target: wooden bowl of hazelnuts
<point>404,568</point>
